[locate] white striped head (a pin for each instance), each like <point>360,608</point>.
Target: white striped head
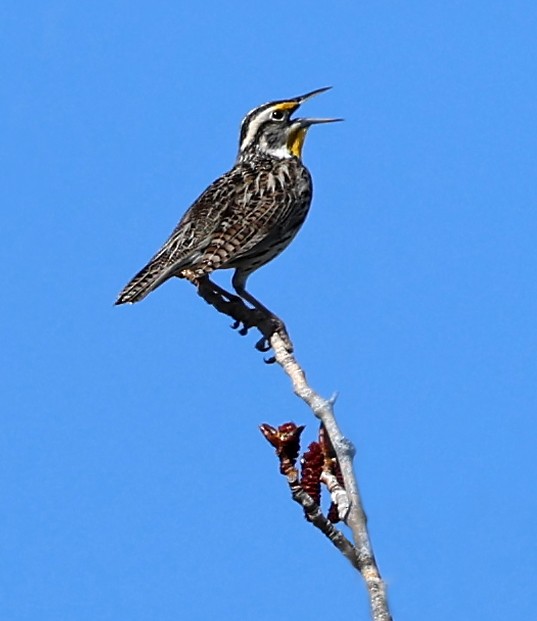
<point>270,130</point>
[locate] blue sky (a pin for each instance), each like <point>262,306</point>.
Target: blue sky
<point>135,483</point>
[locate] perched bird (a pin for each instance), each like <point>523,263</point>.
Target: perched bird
<point>247,216</point>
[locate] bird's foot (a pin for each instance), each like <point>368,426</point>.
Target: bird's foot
<point>245,317</point>
<point>269,326</point>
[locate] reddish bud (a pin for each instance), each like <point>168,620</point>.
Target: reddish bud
<point>286,440</point>
<point>312,467</point>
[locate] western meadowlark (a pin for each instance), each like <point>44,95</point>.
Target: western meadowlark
<point>247,216</point>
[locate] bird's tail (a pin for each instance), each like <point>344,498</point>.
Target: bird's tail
<point>147,279</point>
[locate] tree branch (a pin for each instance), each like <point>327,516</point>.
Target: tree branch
<point>356,519</point>
<point>316,517</point>
<point>361,554</point>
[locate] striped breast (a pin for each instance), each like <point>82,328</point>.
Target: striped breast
<point>270,205</point>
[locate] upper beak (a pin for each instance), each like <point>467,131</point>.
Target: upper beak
<point>295,102</point>
<point>302,98</point>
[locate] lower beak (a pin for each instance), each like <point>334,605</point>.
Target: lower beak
<point>309,122</point>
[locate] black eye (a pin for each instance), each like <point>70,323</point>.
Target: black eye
<point>278,115</point>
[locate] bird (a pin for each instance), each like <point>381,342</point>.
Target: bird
<point>248,216</point>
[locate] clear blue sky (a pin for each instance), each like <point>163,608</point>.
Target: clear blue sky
<point>411,290</point>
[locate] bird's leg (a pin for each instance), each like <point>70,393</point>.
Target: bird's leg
<point>228,303</point>
<point>268,324</point>
<point>205,283</point>
<point>234,306</point>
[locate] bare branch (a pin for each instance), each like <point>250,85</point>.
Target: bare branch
<point>339,496</point>
<point>356,519</point>
<point>347,500</point>
<point>316,517</point>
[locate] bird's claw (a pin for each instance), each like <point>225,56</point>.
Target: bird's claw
<point>263,344</point>
<point>236,326</point>
<point>273,325</point>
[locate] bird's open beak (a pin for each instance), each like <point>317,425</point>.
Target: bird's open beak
<point>299,127</point>
<point>298,101</point>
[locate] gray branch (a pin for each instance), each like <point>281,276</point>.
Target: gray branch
<point>361,555</point>
<point>317,518</point>
<point>356,519</point>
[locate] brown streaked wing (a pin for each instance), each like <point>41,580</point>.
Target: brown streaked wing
<point>196,228</point>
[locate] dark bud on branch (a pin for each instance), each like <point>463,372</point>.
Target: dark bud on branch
<point>286,440</point>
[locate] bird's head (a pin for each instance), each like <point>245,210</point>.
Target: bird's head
<point>270,130</point>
